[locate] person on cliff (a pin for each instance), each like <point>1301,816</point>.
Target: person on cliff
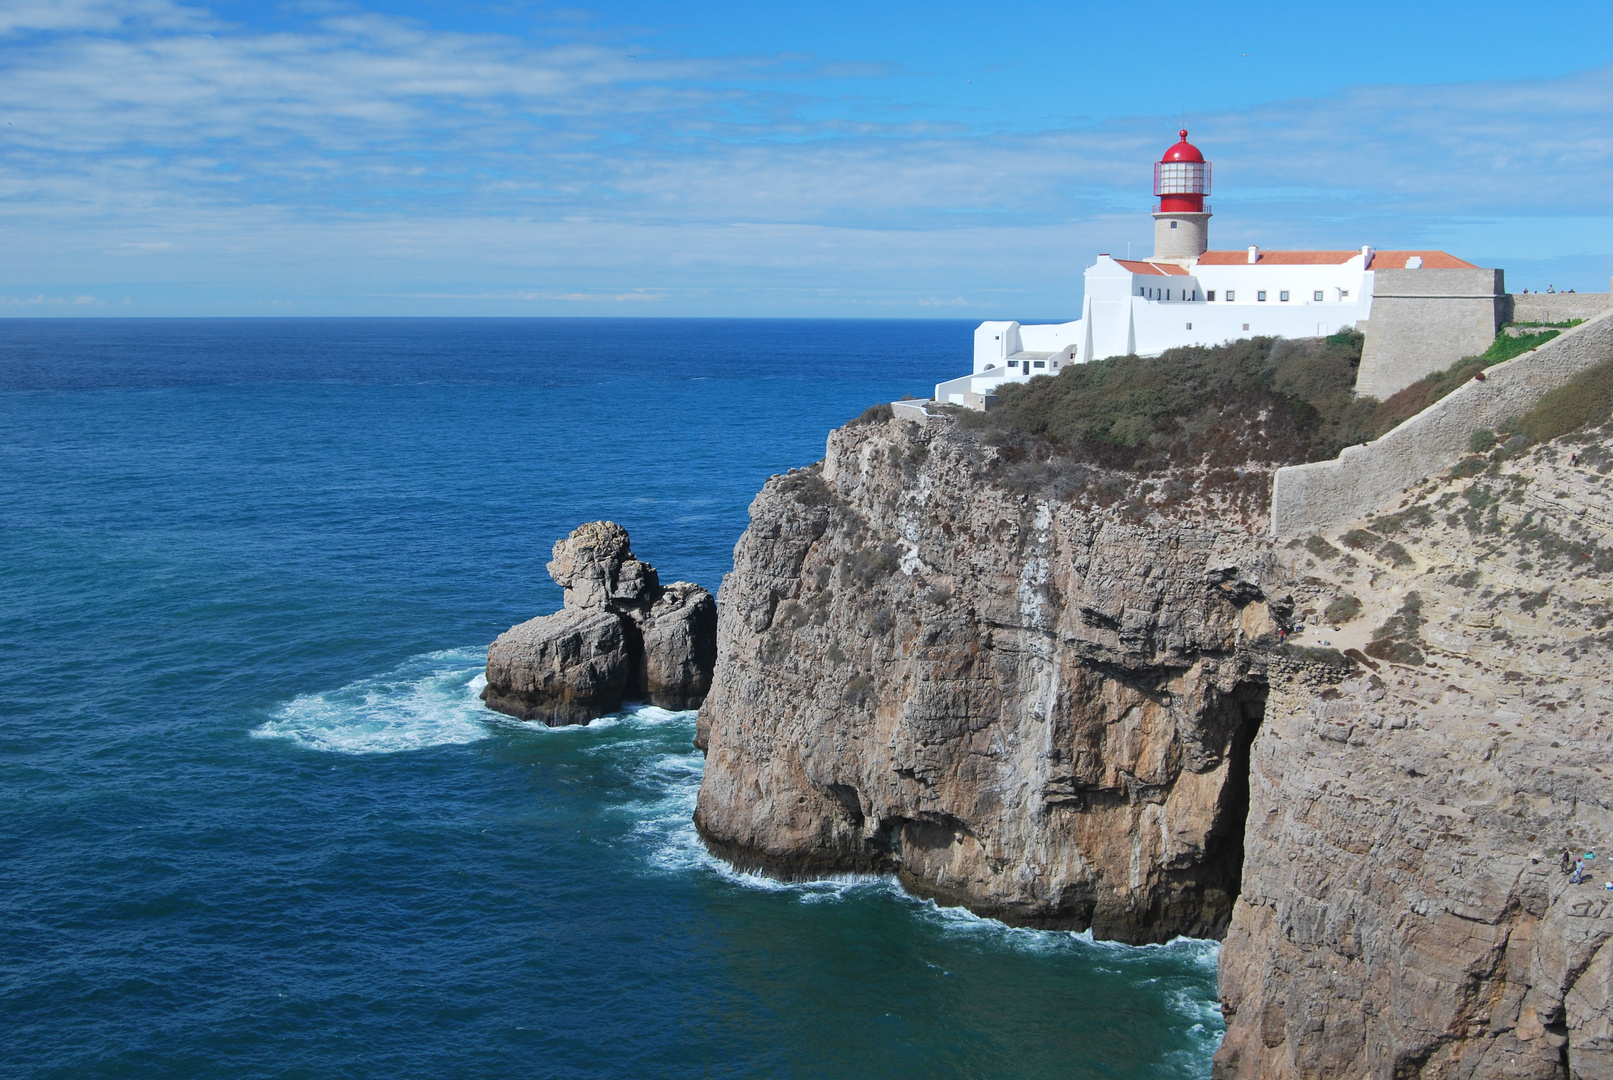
<point>1566,863</point>
<point>1579,872</point>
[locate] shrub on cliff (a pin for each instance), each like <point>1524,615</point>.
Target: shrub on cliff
<point>1587,398</point>
<point>1259,400</point>
<point>1402,406</point>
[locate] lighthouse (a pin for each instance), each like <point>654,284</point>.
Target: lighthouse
<point>1188,295</point>
<point>1182,218</point>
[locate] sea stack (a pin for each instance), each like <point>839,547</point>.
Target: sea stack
<point>622,636</point>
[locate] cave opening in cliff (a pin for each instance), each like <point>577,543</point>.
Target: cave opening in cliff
<point>1242,712</point>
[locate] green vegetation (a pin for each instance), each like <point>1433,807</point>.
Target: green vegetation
<point>1481,441</point>
<point>1321,548</point>
<point>1587,398</point>
<point>1402,406</point>
<point>1261,400</point>
<point>1360,540</point>
<point>1396,640</point>
<point>1506,346</point>
<point>1342,610</point>
<point>874,414</point>
<point>807,487</point>
<point>870,565</point>
<point>1397,555</point>
<point>1564,325</point>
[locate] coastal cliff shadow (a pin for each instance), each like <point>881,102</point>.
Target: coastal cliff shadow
<point>1222,873</point>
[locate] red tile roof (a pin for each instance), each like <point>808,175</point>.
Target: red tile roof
<point>1153,268</point>
<point>1381,260</point>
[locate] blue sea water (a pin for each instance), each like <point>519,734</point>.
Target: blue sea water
<point>254,820</point>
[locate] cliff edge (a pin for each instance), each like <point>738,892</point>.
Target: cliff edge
<point>1016,703</point>
<point>1062,696</point>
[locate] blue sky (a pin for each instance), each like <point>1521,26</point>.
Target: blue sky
<point>726,159</point>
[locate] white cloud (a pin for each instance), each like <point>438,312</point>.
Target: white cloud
<point>381,158</point>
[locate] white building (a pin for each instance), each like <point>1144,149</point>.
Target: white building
<point>1186,295</point>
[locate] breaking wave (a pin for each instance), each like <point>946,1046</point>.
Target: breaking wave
<point>428,700</point>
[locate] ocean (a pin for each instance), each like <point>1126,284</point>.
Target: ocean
<point>254,821</point>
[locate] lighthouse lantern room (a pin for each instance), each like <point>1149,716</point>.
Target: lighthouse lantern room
<point>1182,219</point>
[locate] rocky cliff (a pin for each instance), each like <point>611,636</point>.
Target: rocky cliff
<point>1063,700</point>
<point>1403,912</point>
<point>621,635</point>
<point>1018,703</point>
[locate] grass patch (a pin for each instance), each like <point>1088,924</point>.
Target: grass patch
<point>1397,555</point>
<point>1321,548</point>
<point>1360,540</point>
<point>1397,639</point>
<point>1342,610</point>
<point>1419,395</point>
<point>1415,517</point>
<point>1587,398</point>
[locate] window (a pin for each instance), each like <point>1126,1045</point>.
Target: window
<point>1246,326</point>
<point>1013,363</point>
<point>1317,295</point>
<point>1041,363</point>
<point>1173,224</point>
<point>1343,293</point>
<point>1231,295</point>
<point>1282,297</point>
<point>1210,295</point>
<point>1190,326</point>
<point>1261,296</point>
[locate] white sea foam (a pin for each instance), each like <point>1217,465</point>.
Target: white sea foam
<point>428,700</point>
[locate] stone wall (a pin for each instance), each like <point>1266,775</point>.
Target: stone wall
<point>1423,321</point>
<point>1306,498</point>
<point>1556,307</point>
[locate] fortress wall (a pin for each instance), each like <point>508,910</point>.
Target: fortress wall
<point>1424,321</point>
<point>1305,498</point>
<point>1556,307</point>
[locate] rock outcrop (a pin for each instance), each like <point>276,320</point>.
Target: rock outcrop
<point>621,636</point>
<point>1403,912</point>
<point>1015,703</point>
<point>1063,711</point>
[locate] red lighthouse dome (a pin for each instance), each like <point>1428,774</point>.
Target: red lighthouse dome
<point>1182,179</point>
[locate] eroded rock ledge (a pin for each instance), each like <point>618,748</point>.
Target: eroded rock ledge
<point>621,636</point>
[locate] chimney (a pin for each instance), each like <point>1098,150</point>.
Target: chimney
<point>1366,257</point>
<point>1254,254</point>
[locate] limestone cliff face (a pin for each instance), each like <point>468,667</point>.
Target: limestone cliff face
<point>1015,703</point>
<point>1403,911</point>
<point>1066,715</point>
